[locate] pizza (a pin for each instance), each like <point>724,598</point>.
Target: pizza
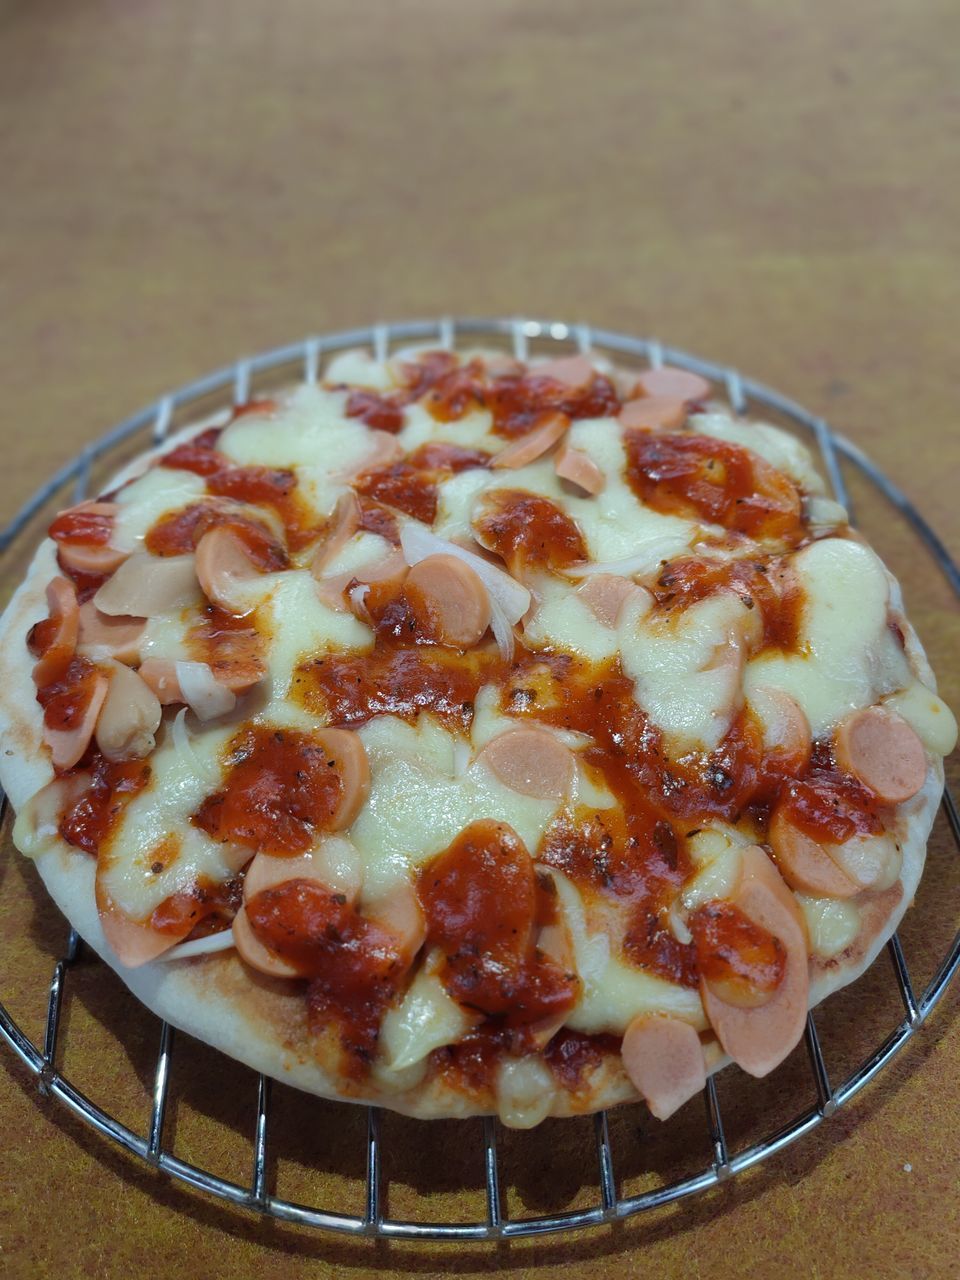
<point>473,736</point>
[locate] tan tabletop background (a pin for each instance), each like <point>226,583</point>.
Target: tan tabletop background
<point>772,184</point>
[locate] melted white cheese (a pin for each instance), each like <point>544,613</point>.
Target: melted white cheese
<point>145,501</point>
<point>686,669</point>
<point>847,656</point>
<point>179,781</point>
<point>418,805</point>
<point>614,992</point>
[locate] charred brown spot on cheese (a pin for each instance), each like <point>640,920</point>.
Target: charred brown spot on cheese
<point>528,531</point>
<point>449,601</point>
<point>696,476</point>
<point>739,960</point>
<point>283,788</point>
<point>481,900</point>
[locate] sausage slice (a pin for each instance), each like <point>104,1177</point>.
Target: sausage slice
<point>580,469</point>
<point>448,600</point>
<point>806,865</point>
<point>880,749</point>
<point>222,562</point>
<point>63,611</point>
<point>110,636</point>
<point>664,1059</point>
<point>532,762</point>
<point>759,1038</point>
<point>653,412</point>
<point>533,445</point>
<point>676,384</point>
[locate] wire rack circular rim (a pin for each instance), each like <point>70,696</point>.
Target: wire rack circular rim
<point>235,380</point>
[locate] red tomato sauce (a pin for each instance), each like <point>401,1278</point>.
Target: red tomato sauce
<point>517,402</point>
<point>382,413</point>
<point>178,534</point>
<point>198,455</point>
<point>91,819</point>
<point>573,1057</point>
<point>529,531</point>
<point>82,526</point>
<point>354,965</point>
<point>831,806</point>
<point>732,948</point>
<point>65,699</point>
<point>483,903</point>
<point>699,477</point>
<point>764,586</point>
<point>281,790</point>
<point>352,688</point>
<point>203,909</point>
<point>230,646</point>
<point>411,485</point>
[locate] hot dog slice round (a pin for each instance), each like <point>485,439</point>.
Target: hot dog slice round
<point>664,1059</point>
<point>880,749</point>
<point>448,600</point>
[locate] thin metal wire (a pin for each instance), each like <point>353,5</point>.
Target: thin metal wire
<point>491,1173</point>
<point>161,1085</point>
<point>721,1157</point>
<point>821,1077</point>
<point>903,980</point>
<point>372,1215</point>
<point>608,1186</point>
<point>233,381</point>
<point>259,1188</point>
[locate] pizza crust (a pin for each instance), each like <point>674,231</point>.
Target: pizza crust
<point>260,1021</point>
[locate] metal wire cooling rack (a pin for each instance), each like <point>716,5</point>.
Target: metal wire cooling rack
<point>303,359</point>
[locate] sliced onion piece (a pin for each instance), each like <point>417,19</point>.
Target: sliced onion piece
<point>502,630</point>
<point>642,562</point>
<point>206,696</point>
<point>206,769</point>
<point>510,596</point>
<point>214,942</point>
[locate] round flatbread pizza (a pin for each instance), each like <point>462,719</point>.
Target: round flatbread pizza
<point>472,736</point>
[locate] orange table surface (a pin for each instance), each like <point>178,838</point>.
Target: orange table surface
<point>771,185</point>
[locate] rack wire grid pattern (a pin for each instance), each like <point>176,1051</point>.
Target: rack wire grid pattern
<point>235,381</point>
